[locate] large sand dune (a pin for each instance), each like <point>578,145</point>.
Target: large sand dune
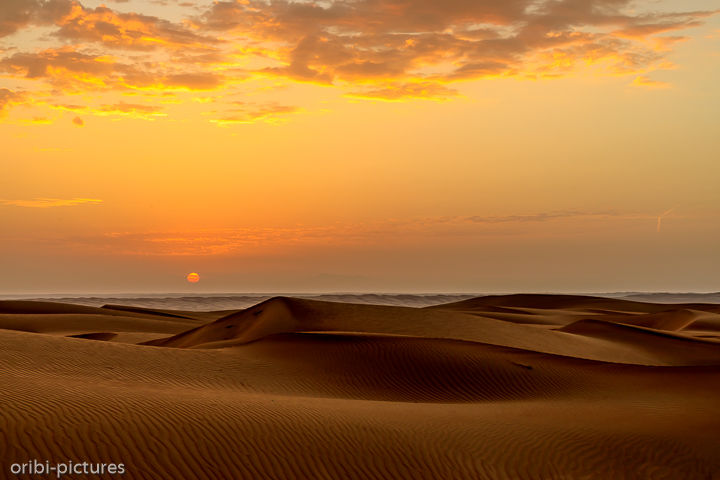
<point>502,387</point>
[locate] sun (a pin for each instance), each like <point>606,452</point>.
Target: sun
<point>193,278</point>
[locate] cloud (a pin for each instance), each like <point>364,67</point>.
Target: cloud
<point>356,42</point>
<point>14,15</point>
<point>301,73</point>
<point>69,107</point>
<point>130,31</point>
<point>373,49</point>
<point>40,121</point>
<point>9,99</point>
<point>50,202</point>
<point>71,71</point>
<point>541,217</point>
<point>646,82</point>
<point>394,92</point>
<point>130,110</point>
<point>18,14</point>
<point>66,69</point>
<point>252,113</point>
<point>235,241</point>
<point>661,23</point>
<point>202,81</point>
<point>78,121</point>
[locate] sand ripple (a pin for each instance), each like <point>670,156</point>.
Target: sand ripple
<point>527,387</point>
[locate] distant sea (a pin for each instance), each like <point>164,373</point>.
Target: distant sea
<point>227,301</point>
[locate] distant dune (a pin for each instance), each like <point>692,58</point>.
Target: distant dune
<point>200,303</point>
<point>387,387</point>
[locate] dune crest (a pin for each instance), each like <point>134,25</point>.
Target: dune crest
<point>568,302</point>
<point>282,315</point>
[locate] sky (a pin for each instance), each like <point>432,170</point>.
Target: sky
<point>476,146</point>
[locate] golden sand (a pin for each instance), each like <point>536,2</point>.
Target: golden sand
<point>498,387</point>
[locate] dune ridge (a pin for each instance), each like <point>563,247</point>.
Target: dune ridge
<point>288,315</point>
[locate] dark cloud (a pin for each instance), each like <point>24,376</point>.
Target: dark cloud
<point>380,49</point>
<point>71,71</point>
<point>644,30</point>
<point>201,58</point>
<point>73,108</point>
<point>481,69</point>
<point>45,64</point>
<point>362,40</point>
<point>15,14</point>
<point>368,69</point>
<point>18,14</point>
<point>8,99</point>
<point>78,121</point>
<point>130,31</point>
<point>103,25</point>
<point>203,81</point>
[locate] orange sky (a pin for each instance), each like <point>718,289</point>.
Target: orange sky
<point>372,145</point>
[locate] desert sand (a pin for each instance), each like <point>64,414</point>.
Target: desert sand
<point>493,387</point>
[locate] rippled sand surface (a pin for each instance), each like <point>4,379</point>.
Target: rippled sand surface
<point>493,387</point>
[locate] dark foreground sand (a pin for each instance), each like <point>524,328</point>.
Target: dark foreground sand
<point>497,387</point>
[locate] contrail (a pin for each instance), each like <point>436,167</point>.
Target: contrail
<point>661,217</point>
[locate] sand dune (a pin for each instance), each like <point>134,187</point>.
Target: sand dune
<point>306,389</point>
<point>673,348</point>
<point>196,303</point>
<point>188,314</point>
<point>288,315</point>
<point>108,324</point>
<point>671,320</point>
<point>35,307</point>
<point>568,302</point>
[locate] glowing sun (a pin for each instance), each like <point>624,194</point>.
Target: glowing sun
<point>193,278</point>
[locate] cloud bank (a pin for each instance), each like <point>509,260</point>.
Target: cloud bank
<point>50,202</point>
<point>241,241</point>
<point>371,49</point>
